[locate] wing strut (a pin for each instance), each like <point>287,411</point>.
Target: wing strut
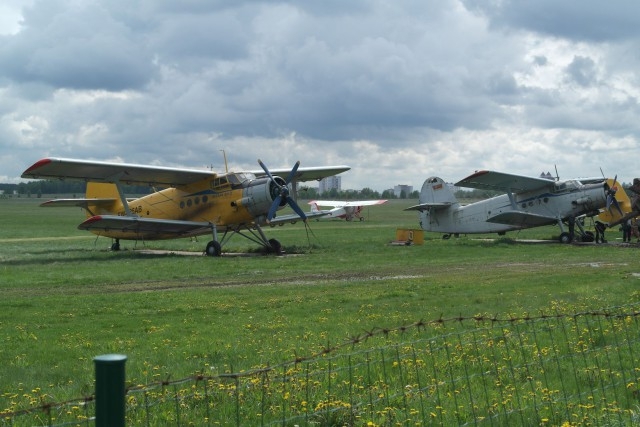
<point>123,199</point>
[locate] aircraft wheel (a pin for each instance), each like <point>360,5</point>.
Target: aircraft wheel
<point>115,246</point>
<point>361,218</point>
<point>446,236</point>
<point>213,249</point>
<point>588,237</point>
<point>276,247</point>
<point>565,238</point>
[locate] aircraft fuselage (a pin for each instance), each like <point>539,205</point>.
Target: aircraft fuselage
<point>516,212</point>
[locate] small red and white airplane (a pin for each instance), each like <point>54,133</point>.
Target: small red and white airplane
<point>343,209</point>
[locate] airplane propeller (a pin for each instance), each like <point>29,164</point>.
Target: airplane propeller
<point>283,193</point>
<point>611,196</point>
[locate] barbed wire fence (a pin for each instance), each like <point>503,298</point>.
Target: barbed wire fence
<point>549,369</point>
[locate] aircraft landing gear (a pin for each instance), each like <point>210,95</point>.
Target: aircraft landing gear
<point>276,247</point>
<point>115,246</point>
<point>565,238</point>
<point>213,249</point>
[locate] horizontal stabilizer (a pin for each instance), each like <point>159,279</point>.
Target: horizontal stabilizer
<point>147,228</point>
<point>521,219</point>
<point>81,203</point>
<point>427,206</point>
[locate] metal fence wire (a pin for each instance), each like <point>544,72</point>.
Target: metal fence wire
<point>559,369</point>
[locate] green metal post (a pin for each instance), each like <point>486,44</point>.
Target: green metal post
<point>110,390</point>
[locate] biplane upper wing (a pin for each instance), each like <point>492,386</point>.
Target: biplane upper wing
<point>90,170</point>
<point>491,180</point>
<point>340,204</point>
<point>312,173</point>
<point>145,228</point>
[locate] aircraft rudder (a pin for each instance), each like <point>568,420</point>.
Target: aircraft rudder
<point>102,190</point>
<point>435,190</point>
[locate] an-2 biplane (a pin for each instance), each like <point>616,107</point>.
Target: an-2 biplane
<point>347,210</point>
<point>528,202</point>
<point>192,202</point>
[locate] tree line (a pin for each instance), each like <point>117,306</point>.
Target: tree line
<point>77,189</point>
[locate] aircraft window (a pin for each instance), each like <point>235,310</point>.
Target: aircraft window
<point>567,185</point>
<point>524,205</point>
<point>239,178</point>
<point>218,182</point>
<point>204,199</point>
<point>189,202</point>
<point>546,200</point>
<point>181,205</point>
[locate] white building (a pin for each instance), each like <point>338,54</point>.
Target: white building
<point>398,189</point>
<point>329,183</point>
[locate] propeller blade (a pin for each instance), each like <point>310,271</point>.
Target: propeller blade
<point>292,174</point>
<point>615,203</point>
<point>273,208</point>
<point>266,170</point>
<point>296,208</point>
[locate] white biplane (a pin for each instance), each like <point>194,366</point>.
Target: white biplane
<point>528,202</point>
<point>342,209</point>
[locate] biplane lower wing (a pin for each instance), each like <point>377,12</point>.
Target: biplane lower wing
<point>522,219</point>
<point>143,228</point>
<point>283,219</point>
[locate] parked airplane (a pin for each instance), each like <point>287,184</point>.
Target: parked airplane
<point>528,202</point>
<point>343,209</point>
<point>193,202</point>
<point>629,207</point>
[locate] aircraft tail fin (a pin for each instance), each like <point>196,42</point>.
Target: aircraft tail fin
<point>102,198</point>
<point>436,192</point>
<point>314,206</point>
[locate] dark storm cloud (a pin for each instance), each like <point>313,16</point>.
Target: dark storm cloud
<point>588,20</point>
<point>81,47</point>
<point>397,89</point>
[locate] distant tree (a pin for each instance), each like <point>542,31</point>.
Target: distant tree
<point>388,194</point>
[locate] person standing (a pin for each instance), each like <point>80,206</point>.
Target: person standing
<point>626,231</point>
<point>600,227</point>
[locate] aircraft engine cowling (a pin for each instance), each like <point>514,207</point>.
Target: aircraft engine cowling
<point>584,201</point>
<point>258,196</point>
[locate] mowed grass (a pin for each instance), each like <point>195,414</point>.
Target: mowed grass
<point>66,298</point>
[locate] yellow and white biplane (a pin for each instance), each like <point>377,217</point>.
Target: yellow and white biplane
<point>192,202</point>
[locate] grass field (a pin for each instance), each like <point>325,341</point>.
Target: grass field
<point>66,298</point>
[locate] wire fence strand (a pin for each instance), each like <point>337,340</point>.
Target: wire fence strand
<point>550,369</point>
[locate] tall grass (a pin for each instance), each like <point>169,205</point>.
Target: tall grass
<point>66,298</point>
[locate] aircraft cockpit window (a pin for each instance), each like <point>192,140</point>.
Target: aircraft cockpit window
<point>239,178</point>
<point>219,182</point>
<point>567,185</point>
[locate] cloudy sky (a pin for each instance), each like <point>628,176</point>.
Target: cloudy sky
<point>397,89</point>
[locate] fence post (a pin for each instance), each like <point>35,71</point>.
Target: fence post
<point>110,390</point>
